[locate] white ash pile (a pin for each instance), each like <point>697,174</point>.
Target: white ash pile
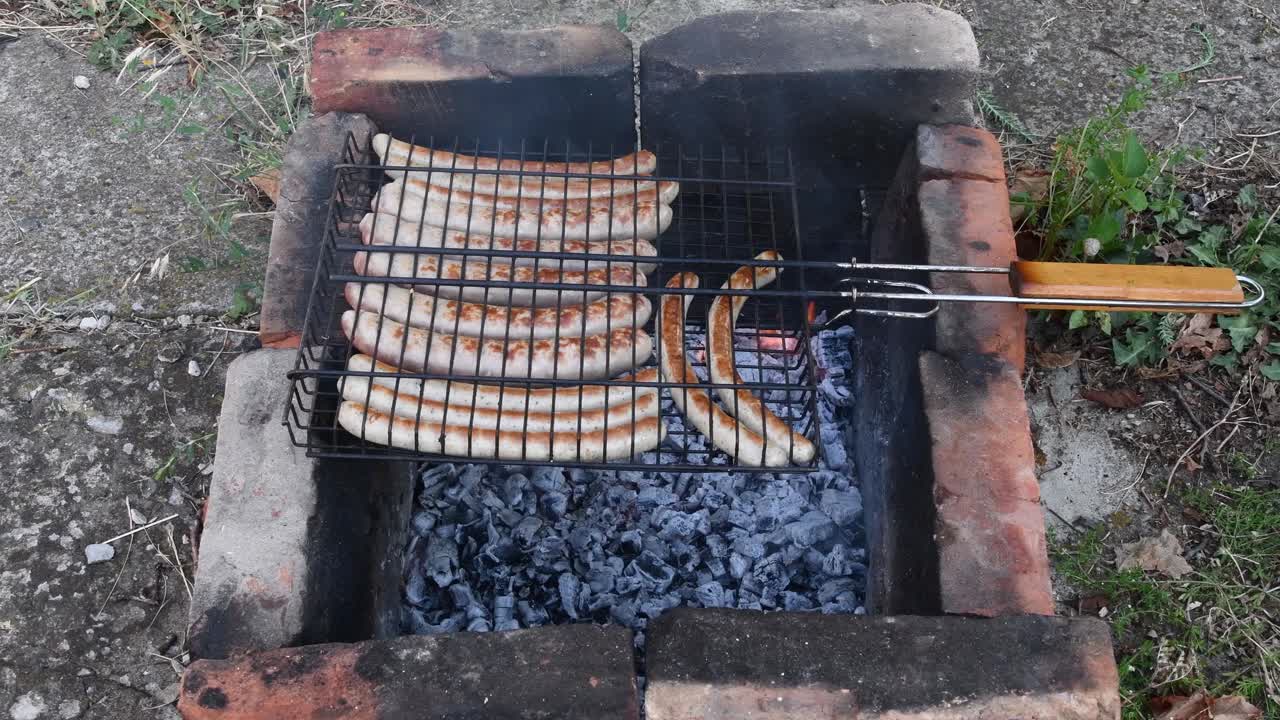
<point>497,548</point>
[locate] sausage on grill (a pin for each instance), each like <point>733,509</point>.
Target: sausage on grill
<point>383,229</point>
<point>724,432</point>
<point>644,220</point>
<point>593,357</point>
<point>425,310</point>
<point>383,399</point>
<point>749,409</point>
<point>461,441</point>
<point>664,192</point>
<point>513,397</point>
<point>480,271</point>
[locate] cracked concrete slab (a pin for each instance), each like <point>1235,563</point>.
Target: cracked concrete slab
<point>102,182</point>
<point>111,431</point>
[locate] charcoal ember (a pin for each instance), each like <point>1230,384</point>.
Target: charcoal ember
<point>480,624</point>
<point>675,525</point>
<point>654,573</point>
<point>504,607</point>
<point>421,625</point>
<point>501,551</point>
<point>713,499</point>
<point>554,504</point>
<point>716,567</point>
<point>442,560</point>
<point>525,532</point>
<point>793,554</point>
<point>532,615</point>
<point>654,545</point>
<point>749,546</point>
<point>842,506</point>
<point>685,556</point>
<point>844,603</point>
<point>415,588</point>
<point>780,505</point>
<point>796,602</point>
<point>547,552</point>
<point>742,519</point>
<point>812,528</point>
<point>711,595</point>
<point>770,575</point>
<point>569,587</point>
<point>830,589</point>
<point>514,488</point>
<point>423,522</point>
<point>627,584</point>
<point>739,565</point>
<point>600,579</point>
<point>548,479</point>
<point>717,546</point>
<point>655,496</point>
<point>814,561</point>
<point>839,561</point>
<point>654,606</point>
<point>461,595</point>
<point>623,612</point>
<point>583,538</point>
<point>748,601</point>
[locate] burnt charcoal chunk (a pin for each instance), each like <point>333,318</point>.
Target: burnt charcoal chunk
<point>655,496</point>
<point>423,522</point>
<point>711,595</point>
<point>839,561</point>
<point>531,615</point>
<point>676,525</point>
<point>569,588</point>
<point>631,542</point>
<point>623,613</point>
<point>795,602</point>
<point>655,574</point>
<point>717,546</point>
<point>442,560</point>
<point>739,565</point>
<point>751,547</point>
<point>812,528</point>
<point>415,589</point>
<point>843,507</point>
<point>600,579</point>
<point>554,505</point>
<point>526,531</point>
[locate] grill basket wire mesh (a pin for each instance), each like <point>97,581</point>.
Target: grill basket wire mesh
<point>731,206</point>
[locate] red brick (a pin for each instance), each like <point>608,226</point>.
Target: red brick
<point>958,151</point>
<point>989,527</point>
<point>571,81</point>
<point>568,672</point>
<point>966,222</point>
<point>738,664</point>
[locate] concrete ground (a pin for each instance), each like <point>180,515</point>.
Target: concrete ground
<point>94,195</point>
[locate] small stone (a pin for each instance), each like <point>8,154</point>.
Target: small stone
<point>137,517</point>
<point>193,368</point>
<point>27,707</point>
<point>98,553</point>
<point>105,425</point>
<point>88,323</point>
<point>81,82</point>
<point>127,448</point>
<point>184,320</point>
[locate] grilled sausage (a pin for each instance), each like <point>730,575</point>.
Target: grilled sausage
<point>638,163</point>
<point>461,441</point>
<point>424,310</point>
<point>393,152</point>
<point>597,356</point>
<point>481,272</point>
<point>382,229</point>
<point>643,191</point>
<point>644,220</point>
<point>512,398</point>
<point>383,399</point>
<point>724,432</point>
<point>749,410</point>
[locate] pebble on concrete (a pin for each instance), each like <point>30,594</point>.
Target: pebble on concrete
<point>98,553</point>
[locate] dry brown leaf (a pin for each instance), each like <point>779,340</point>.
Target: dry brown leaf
<point>1174,249</point>
<point>1150,373</point>
<point>1162,554</point>
<point>268,183</point>
<point>1033,183</point>
<point>1117,398</point>
<point>1054,361</point>
<point>1203,707</point>
<point>1190,464</point>
<point>1199,337</point>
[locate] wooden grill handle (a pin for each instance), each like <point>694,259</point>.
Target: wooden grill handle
<point>1105,283</point>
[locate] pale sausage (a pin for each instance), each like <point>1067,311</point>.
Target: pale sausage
<point>617,443</point>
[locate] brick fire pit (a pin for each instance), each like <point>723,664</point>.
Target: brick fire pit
<point>297,597</point>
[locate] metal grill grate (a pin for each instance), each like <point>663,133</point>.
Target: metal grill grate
<point>731,207</point>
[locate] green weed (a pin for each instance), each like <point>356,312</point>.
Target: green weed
<point>1217,629</point>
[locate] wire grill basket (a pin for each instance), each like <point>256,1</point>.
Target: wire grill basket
<point>730,207</point>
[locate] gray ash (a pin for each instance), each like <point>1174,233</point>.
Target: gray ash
<point>497,548</point>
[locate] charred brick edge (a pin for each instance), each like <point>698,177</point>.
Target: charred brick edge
<point>299,226</point>
<point>570,83</point>
<point>737,663</point>
<point>575,672</point>
<point>989,529</point>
